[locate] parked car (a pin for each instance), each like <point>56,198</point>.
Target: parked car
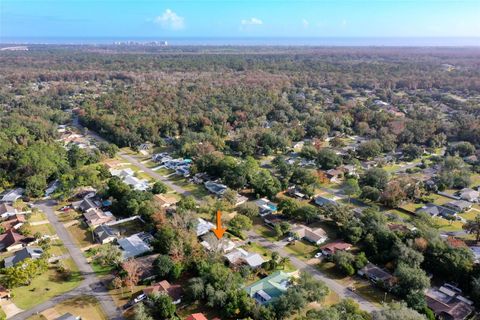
<point>141,297</point>
<point>318,255</point>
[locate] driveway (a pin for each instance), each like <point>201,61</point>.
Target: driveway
<point>336,287</point>
<point>91,284</point>
<point>9,308</point>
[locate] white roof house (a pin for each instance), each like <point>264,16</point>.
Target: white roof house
<point>133,246</point>
<point>203,227</point>
<point>12,195</point>
<point>239,255</point>
<point>122,173</point>
<point>137,184</point>
<point>469,195</point>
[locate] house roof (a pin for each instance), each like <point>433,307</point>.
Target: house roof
<point>11,195</point>
<point>145,265</point>
<point>165,199</point>
<point>11,237</point>
<point>274,285</point>
<point>196,316</point>
<point>97,216</point>
<point>14,221</point>
<point>309,233</point>
<point>67,316</point>
<point>202,227</point>
<point>133,246</point>
<point>461,204</point>
<point>174,291</point>
<point>242,256</point>
<point>456,243</point>
<point>25,253</point>
<point>104,232</point>
<point>372,270</point>
<point>216,188</point>
<point>4,208</point>
<point>435,210</point>
<point>446,302</point>
<point>336,245</point>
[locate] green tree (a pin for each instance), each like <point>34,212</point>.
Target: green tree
<point>159,187</point>
<point>239,224</point>
<point>351,187</point>
<point>162,306</point>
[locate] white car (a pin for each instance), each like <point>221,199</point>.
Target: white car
<point>318,255</point>
<point>140,298</point>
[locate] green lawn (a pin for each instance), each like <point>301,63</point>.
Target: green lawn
<point>45,287</point>
<point>301,249</point>
<point>80,234</point>
<point>86,307</point>
<point>37,216</point>
<point>43,229</point>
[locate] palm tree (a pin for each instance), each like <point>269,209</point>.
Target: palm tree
<point>283,261</point>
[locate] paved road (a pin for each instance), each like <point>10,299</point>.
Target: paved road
<point>338,288</point>
<point>341,290</point>
<point>91,285</point>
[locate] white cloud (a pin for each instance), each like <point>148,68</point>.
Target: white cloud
<point>170,20</point>
<point>305,23</point>
<point>251,22</point>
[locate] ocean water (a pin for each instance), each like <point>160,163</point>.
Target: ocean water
<point>203,41</point>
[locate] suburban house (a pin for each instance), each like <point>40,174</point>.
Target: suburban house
<point>315,236</point>
<point>333,247</point>
<point>476,253</point>
<point>334,175</point>
<point>447,302</point>
<point>96,217</point>
<point>196,316</point>
<point>459,205</point>
<point>13,222</point>
<point>375,274</point>
<point>122,173</point>
<point>203,227</point>
<point>469,195</point>
<point>7,210</point>
<point>20,255</point>
<point>164,287</point>
<point>295,192</point>
<point>11,195</point>
<point>273,219</point>
<point>12,240</point>
<point>183,171</point>
<point>145,265</point>
<point>135,183</point>
<point>135,245</point>
<point>240,256</point>
<point>321,201</point>
<point>105,234</point>
<point>217,189</point>
<point>90,203</point>
<point>436,210</point>
<point>265,206</point>
<point>165,200</point>
<point>211,243</point>
<point>269,288</point>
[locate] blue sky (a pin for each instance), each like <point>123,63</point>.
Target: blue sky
<point>235,18</point>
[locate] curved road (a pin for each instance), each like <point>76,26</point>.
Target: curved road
<point>91,285</point>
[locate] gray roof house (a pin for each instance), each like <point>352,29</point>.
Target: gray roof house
<point>459,205</point>
<point>215,188</point>
<point>134,245</point>
<point>68,316</point>
<point>11,195</point>
<point>105,234</point>
<point>321,201</point>
<point>25,253</point>
<point>436,210</point>
<point>374,273</point>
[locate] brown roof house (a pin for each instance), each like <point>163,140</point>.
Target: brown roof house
<point>12,241</point>
<point>164,287</point>
<point>333,247</point>
<point>448,303</point>
<point>7,210</point>
<point>13,222</point>
<point>165,200</point>
<point>316,236</point>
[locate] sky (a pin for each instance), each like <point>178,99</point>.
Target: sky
<point>21,19</point>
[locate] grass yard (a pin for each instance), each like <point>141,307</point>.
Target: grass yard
<point>265,231</point>
<point>81,236</point>
<point>46,286</point>
<point>85,307</point>
<point>447,225</point>
<point>42,229</point>
<point>68,216</point>
<point>400,214</point>
<point>196,190</point>
<point>470,215</point>
<point>123,295</point>
<point>37,216</point>
<point>301,249</point>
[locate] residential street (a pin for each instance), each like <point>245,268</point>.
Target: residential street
<point>338,288</point>
<point>91,284</point>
